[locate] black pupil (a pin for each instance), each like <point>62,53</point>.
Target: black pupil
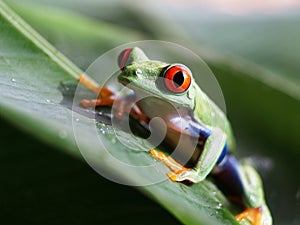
<point>178,79</point>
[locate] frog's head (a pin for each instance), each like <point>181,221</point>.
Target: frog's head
<point>171,82</point>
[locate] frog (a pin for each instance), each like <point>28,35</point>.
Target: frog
<point>198,131</point>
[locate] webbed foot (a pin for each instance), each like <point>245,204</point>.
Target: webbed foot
<point>167,160</point>
<point>106,97</point>
<point>252,215</point>
<point>255,216</point>
<point>178,172</point>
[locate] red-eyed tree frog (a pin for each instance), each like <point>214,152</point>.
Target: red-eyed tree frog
<point>206,145</point>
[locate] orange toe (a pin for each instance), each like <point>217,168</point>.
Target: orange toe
<point>253,215</point>
<point>157,154</point>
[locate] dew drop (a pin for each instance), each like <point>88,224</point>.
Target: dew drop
<point>219,206</point>
<point>13,80</point>
<point>48,101</point>
<point>77,119</point>
<point>63,134</point>
<point>102,130</point>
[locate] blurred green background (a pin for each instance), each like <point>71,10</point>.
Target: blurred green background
<point>253,49</point>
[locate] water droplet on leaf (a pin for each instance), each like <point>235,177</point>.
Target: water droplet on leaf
<point>219,206</point>
<point>63,134</point>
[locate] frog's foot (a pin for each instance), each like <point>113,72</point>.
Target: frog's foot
<point>97,102</point>
<point>105,96</point>
<point>181,175</point>
<point>252,215</point>
<point>178,172</point>
<point>126,104</point>
<point>108,98</point>
<point>92,85</point>
<point>255,216</point>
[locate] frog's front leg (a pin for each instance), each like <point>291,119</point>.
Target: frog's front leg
<point>106,97</point>
<point>214,148</point>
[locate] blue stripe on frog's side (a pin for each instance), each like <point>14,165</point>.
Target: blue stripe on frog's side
<point>196,128</point>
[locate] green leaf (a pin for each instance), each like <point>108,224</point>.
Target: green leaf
<point>31,72</point>
<point>64,28</point>
<point>263,109</point>
<point>44,186</point>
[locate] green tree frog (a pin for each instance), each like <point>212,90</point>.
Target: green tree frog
<point>206,145</point>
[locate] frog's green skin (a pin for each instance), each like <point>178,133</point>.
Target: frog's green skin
<point>205,111</point>
<point>141,74</point>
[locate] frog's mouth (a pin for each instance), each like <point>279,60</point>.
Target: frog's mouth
<point>124,80</point>
<point>151,103</point>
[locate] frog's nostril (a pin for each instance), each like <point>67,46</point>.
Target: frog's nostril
<point>124,58</point>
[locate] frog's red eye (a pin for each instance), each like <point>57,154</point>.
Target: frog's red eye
<point>124,58</point>
<point>178,78</point>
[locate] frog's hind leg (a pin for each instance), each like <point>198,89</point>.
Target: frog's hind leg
<point>242,185</point>
<point>257,210</point>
